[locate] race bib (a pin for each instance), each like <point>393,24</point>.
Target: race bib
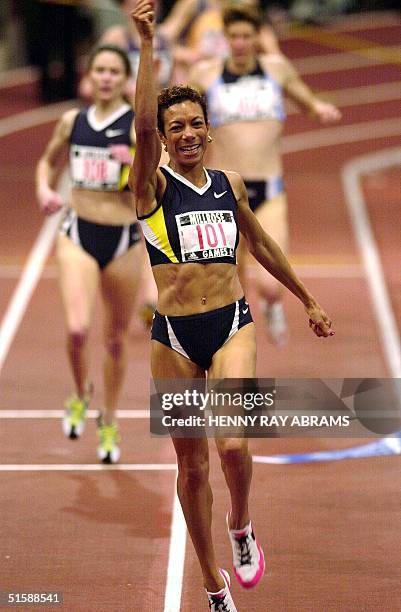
<point>249,99</point>
<point>94,168</point>
<point>206,235</point>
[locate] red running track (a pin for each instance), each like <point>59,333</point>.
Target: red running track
<point>330,530</point>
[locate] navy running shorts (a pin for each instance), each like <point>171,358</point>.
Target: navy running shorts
<point>103,242</point>
<point>199,336</point>
<point>263,191</point>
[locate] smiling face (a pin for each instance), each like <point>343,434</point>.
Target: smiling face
<point>108,76</point>
<point>185,133</point>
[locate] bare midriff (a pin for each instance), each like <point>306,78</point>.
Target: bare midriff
<point>192,288</point>
<point>250,148</point>
<point>106,208</point>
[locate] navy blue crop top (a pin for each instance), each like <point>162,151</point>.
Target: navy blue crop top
<point>92,165</point>
<point>192,224</point>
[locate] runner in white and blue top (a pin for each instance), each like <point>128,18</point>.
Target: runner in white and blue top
<point>245,100</point>
<point>253,96</point>
<point>242,98</point>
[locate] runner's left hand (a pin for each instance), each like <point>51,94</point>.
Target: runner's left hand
<point>319,322</point>
<point>326,112</point>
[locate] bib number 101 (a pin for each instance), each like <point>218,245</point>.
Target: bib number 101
<point>211,235</point>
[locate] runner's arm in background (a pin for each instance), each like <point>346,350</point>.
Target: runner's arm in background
<point>49,200</point>
<point>267,252</point>
<point>301,93</point>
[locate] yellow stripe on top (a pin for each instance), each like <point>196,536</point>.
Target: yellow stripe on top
<point>123,182</point>
<point>155,232</point>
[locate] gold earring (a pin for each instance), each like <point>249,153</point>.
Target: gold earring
<point>209,138</point>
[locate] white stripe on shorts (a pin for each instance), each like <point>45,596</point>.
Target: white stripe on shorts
<point>74,233</point>
<point>234,326</point>
<point>123,243</point>
<point>273,187</point>
<point>174,341</point>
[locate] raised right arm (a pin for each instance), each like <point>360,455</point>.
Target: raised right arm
<point>143,177</point>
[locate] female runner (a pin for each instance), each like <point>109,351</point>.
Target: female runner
<point>245,95</point>
<point>99,244</point>
<point>191,217</point>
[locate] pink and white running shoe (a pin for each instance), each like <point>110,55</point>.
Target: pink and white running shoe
<point>222,600</point>
<point>248,557</point>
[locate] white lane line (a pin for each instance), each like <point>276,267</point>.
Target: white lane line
<point>39,253</point>
<point>176,559</point>
<point>32,118</point>
<point>18,76</point>
<point>26,286</point>
<point>336,62</point>
<point>356,96</point>
<point>351,177</point>
<point>343,134</point>
<point>88,467</point>
<point>58,414</point>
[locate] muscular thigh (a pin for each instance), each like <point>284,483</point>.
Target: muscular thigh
<point>235,360</point>
<point>237,357</point>
<point>119,284</point>
<point>167,363</point>
<point>78,279</point>
<point>272,216</point>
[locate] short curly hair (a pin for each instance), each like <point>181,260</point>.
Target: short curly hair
<point>174,95</point>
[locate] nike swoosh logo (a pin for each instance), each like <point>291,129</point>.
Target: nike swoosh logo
<point>219,195</point>
<point>112,133</point>
<point>245,311</point>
